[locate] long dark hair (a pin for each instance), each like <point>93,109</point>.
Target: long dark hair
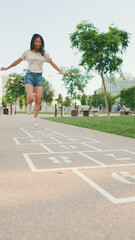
<point>41,50</point>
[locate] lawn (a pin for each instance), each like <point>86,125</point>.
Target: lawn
<point>119,125</point>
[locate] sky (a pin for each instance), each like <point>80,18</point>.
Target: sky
<point>55,20</point>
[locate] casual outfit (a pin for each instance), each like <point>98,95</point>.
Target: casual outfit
<point>34,72</point>
<point>35,67</point>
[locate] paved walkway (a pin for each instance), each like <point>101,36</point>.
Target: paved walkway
<point>60,182</point>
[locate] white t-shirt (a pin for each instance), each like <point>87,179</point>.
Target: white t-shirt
<point>35,60</point>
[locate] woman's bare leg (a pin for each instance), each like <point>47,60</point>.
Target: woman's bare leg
<point>38,95</point>
<point>30,94</point>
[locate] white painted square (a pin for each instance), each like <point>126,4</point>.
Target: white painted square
<point>113,157</point>
<point>33,140</point>
<point>41,132</point>
<point>53,161</point>
<point>115,183</point>
<point>70,147</point>
<point>75,139</point>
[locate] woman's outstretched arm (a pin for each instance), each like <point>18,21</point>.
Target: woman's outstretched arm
<point>12,65</point>
<point>57,68</point>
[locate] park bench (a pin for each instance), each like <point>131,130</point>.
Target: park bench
<point>85,109</point>
<point>82,108</point>
<point>125,112</point>
<point>58,107</point>
<point>95,112</point>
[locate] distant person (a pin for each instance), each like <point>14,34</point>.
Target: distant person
<point>35,57</point>
<point>118,107</point>
<point>100,108</point>
<point>123,107</point>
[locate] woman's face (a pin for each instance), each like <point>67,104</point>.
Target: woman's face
<point>37,43</point>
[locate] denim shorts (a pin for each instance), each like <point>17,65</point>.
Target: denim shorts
<point>35,79</point>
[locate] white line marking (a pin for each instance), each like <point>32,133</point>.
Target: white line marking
<point>81,168</point>
<point>94,185</point>
<point>15,139</point>
<point>92,159</point>
<point>117,159</point>
<point>48,149</point>
<point>93,139</point>
<point>55,132</point>
<point>56,140</point>
<point>86,144</point>
<point>124,200</point>
<point>129,151</point>
<point>26,132</point>
<point>29,162</point>
<point>121,178</point>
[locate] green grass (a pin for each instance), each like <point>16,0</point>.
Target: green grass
<point>50,113</point>
<point>119,125</point>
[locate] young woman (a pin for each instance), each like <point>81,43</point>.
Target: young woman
<point>35,57</point>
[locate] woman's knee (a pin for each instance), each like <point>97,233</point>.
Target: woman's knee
<point>37,101</point>
<point>30,99</point>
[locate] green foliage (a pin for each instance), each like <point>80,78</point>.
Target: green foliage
<point>4,102</point>
<point>127,97</point>
<point>84,99</point>
<point>59,99</point>
<point>14,87</point>
<point>48,93</point>
<point>21,102</point>
<point>100,51</point>
<point>90,99</point>
<point>76,82</point>
<point>67,102</point>
<point>98,98</point>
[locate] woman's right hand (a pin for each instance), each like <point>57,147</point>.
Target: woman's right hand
<point>3,69</point>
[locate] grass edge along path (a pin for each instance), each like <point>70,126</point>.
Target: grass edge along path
<point>119,125</point>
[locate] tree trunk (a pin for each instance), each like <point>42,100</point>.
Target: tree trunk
<point>106,101</point>
<point>11,109</point>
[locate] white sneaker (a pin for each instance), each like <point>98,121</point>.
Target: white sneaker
<point>29,108</point>
<point>35,122</point>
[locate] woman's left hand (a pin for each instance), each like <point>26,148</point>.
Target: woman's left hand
<point>68,74</point>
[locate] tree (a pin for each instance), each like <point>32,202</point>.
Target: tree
<point>84,99</point>
<point>90,98</point>
<point>127,97</point>
<point>67,102</point>
<point>100,51</point>
<point>76,82</point>
<point>4,102</point>
<point>98,98</point>
<point>59,99</point>
<point>21,102</point>
<point>48,93</point>
<point>14,87</point>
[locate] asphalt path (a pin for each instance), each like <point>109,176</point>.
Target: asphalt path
<point>61,182</point>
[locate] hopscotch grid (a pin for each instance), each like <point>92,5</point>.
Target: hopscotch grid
<point>76,169</point>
